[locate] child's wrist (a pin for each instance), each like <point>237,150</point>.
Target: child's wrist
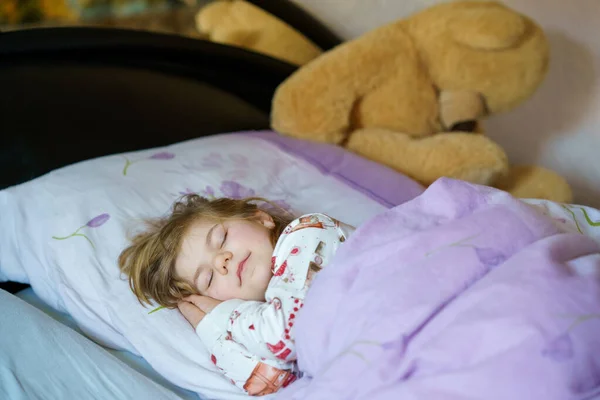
<point>214,324</point>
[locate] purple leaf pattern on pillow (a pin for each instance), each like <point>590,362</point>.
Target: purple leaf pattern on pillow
<point>208,192</point>
<point>98,221</point>
<point>235,167</point>
<point>163,155</point>
<point>95,222</point>
<point>236,190</point>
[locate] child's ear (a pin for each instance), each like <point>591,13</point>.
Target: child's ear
<point>265,219</point>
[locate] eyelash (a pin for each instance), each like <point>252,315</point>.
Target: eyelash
<point>210,279</point>
<point>224,239</point>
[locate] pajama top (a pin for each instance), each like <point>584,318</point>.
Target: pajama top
<point>252,342</point>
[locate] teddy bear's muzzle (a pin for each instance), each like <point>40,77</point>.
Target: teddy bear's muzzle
<point>460,110</point>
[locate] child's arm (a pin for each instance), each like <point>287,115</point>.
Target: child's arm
<point>262,328</point>
<point>244,369</point>
<point>247,371</point>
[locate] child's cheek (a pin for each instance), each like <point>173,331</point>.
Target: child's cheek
<point>214,293</point>
<point>222,293</point>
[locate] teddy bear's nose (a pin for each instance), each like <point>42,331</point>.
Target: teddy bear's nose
<point>464,126</point>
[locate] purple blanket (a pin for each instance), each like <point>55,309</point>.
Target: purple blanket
<point>461,293</point>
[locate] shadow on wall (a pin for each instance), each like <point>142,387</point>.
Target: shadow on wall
<point>559,109</point>
<point>589,193</point>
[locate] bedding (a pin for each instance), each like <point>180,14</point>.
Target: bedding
<point>133,361</point>
<point>62,232</point>
<point>462,293</point>
<point>43,359</point>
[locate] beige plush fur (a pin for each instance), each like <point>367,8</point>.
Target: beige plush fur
<point>536,182</point>
<point>410,95</point>
<point>242,24</point>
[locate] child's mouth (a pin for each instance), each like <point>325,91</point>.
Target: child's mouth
<point>240,269</point>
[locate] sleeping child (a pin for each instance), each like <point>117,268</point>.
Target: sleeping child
<point>239,275</point>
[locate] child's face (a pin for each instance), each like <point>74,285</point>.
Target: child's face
<point>229,260</point>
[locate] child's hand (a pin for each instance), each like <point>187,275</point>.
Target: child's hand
<point>192,313</point>
<point>195,307</point>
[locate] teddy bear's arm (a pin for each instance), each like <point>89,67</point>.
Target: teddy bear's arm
<point>466,156</point>
<point>347,87</point>
<point>242,24</point>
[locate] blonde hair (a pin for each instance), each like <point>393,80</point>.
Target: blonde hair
<point>150,259</point>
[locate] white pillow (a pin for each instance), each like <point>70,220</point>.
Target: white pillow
<point>63,232</point>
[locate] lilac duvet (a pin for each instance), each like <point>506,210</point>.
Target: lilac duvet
<point>461,293</point>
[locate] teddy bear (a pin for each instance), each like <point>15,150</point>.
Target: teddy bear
<point>411,95</point>
<point>242,24</point>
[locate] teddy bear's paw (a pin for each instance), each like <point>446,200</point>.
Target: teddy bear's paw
<point>464,156</point>
<point>212,15</point>
<point>220,22</point>
<point>533,182</point>
<point>243,24</point>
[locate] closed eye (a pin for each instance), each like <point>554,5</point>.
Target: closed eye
<point>210,279</point>
<point>224,239</point>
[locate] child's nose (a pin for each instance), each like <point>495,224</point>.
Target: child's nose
<point>222,262</point>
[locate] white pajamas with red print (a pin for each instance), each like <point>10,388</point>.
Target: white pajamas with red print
<point>251,342</point>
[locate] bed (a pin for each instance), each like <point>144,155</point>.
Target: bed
<point>76,94</point>
<point>103,127</point>
<point>156,97</point>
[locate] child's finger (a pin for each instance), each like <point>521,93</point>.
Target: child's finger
<point>193,298</point>
<point>190,312</point>
<point>206,304</point>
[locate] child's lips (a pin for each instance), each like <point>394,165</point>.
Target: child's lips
<point>241,266</point>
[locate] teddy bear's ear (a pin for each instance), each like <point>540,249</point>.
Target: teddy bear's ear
<point>488,27</point>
